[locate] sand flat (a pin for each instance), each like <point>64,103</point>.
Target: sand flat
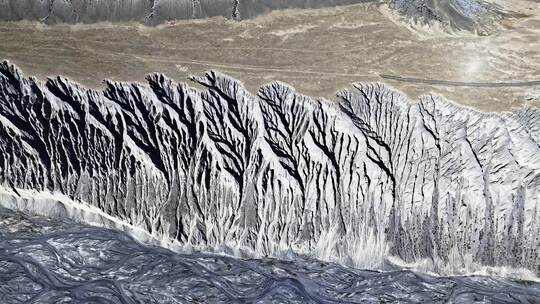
<point>318,51</point>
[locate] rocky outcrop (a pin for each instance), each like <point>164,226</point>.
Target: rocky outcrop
<point>469,15</point>
<point>355,180</point>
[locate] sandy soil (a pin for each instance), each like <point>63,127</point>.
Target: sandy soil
<point>316,51</point>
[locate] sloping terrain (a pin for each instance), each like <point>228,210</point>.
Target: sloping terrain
<point>148,11</point>
<point>355,180</point>
<point>58,261</point>
<point>469,15</point>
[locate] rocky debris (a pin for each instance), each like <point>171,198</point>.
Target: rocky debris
<point>463,15</point>
<point>356,180</point>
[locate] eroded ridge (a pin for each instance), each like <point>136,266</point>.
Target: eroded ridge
<point>477,16</point>
<point>355,180</point>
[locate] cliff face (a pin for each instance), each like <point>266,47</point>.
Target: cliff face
<point>355,180</point>
<point>148,11</point>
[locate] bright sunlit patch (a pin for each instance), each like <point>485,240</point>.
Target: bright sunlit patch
<point>473,69</point>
